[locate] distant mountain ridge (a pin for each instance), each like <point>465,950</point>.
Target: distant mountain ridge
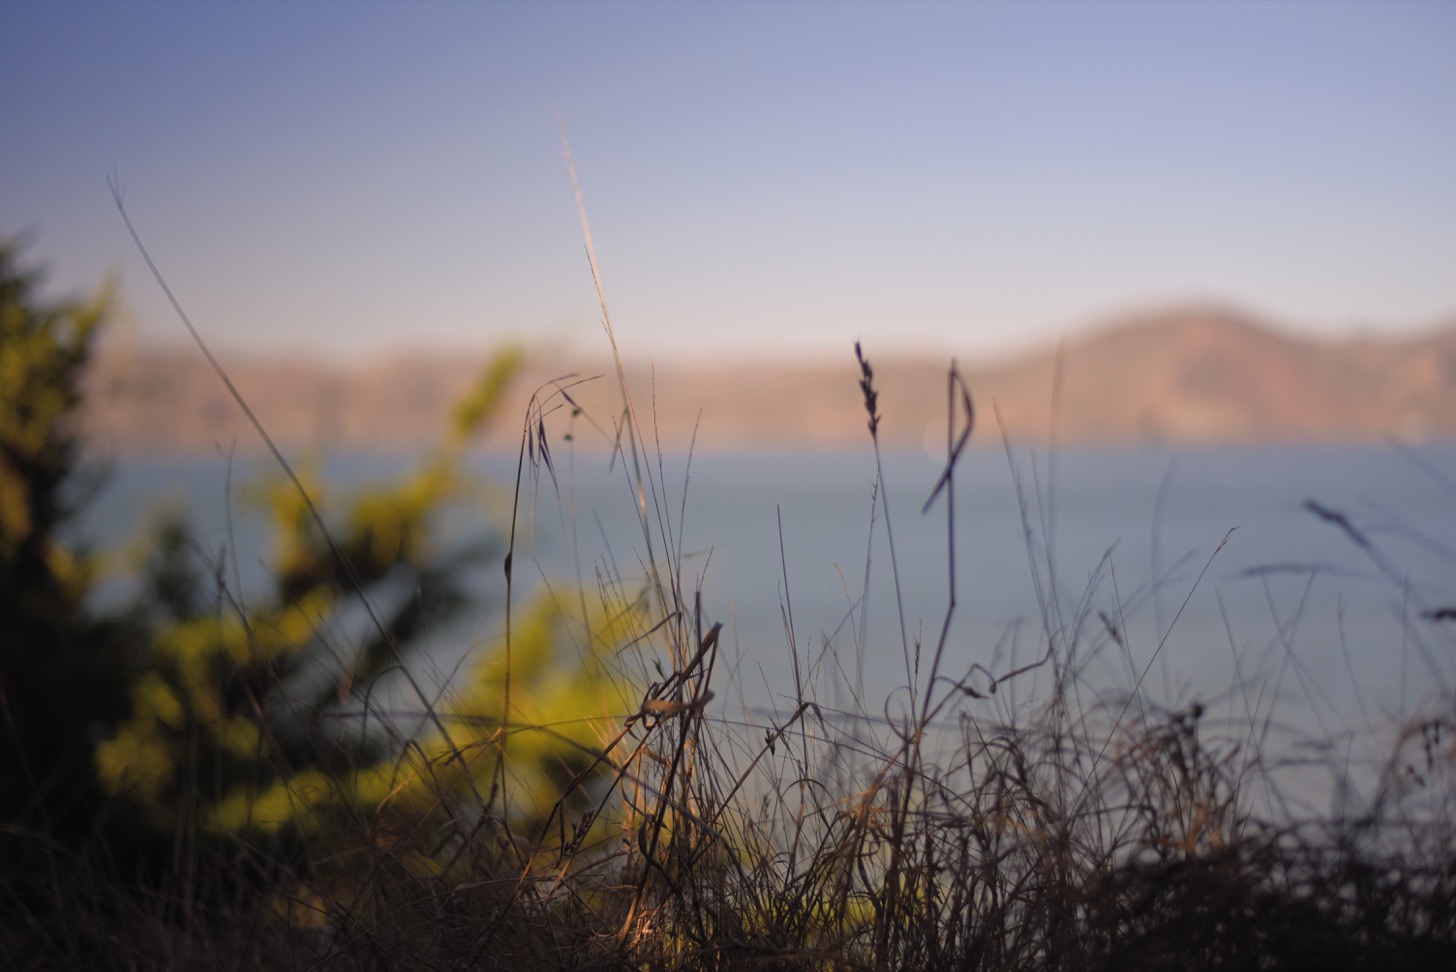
<point>1210,376</point>
<point>1189,376</point>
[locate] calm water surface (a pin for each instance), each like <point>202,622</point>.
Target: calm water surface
<point>1112,555</point>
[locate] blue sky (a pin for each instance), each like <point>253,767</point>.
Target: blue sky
<point>762,179</point>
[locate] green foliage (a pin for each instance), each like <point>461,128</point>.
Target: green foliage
<point>248,712</point>
<point>63,671</point>
<point>261,716</point>
<point>200,713</point>
<point>476,408</point>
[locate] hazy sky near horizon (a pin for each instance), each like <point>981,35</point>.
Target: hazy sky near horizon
<point>762,179</point>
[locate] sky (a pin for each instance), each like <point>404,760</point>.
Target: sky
<point>763,180</point>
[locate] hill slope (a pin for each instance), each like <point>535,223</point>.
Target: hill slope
<point>1194,375</point>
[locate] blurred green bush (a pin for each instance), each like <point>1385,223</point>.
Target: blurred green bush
<point>192,712</point>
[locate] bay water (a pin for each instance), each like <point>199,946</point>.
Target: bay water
<point>1303,583</point>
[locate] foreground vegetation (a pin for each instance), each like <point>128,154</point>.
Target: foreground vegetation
<point>212,780</point>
